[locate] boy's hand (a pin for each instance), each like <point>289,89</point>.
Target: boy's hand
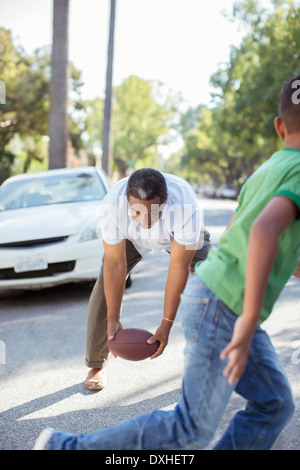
<point>237,350</point>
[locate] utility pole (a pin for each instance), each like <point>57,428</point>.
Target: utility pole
<point>58,119</point>
<point>107,144</point>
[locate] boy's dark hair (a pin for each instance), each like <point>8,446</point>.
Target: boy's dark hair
<point>146,184</point>
<point>289,109</point>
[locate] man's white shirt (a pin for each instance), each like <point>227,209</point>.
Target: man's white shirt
<point>181,218</point>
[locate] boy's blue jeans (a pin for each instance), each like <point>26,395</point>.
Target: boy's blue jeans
<point>207,325</point>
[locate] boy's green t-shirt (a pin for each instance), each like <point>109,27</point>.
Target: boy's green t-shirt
<point>224,269</point>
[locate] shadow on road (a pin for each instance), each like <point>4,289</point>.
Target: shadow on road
<point>85,420</point>
<point>63,292</point>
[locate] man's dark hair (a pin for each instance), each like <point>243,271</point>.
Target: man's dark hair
<point>147,184</point>
<point>289,109</point>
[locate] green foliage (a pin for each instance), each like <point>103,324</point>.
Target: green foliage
<point>93,125</point>
<point>25,111</point>
<point>230,141</point>
<point>24,116</point>
<point>222,144</point>
<point>26,108</point>
<point>139,124</point>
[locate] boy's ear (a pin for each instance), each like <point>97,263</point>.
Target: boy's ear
<point>280,127</point>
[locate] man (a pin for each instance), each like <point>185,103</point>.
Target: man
<point>149,211</point>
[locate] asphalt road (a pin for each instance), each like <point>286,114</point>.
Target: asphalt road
<point>42,347</point>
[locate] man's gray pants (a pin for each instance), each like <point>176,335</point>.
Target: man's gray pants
<point>96,341</point>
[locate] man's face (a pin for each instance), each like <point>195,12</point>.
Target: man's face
<point>146,213</point>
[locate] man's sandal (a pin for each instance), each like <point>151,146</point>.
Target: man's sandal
<point>95,380</point>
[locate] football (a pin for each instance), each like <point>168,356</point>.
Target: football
<point>131,344</point>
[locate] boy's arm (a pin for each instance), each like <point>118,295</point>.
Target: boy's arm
<point>297,272</point>
<point>262,250</point>
<point>230,222</point>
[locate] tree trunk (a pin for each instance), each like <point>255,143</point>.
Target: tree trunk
<point>107,127</point>
<point>58,119</point>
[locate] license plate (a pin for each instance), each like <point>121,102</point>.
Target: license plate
<point>26,263</point>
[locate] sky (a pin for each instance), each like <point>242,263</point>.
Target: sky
<point>179,42</point>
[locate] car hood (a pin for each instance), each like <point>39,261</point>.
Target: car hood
<point>42,222</point>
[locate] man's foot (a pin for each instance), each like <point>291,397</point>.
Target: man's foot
<point>96,379</point>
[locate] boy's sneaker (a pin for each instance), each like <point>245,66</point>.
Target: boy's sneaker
<point>42,440</point>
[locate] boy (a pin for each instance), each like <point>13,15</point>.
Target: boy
<point>243,278</point>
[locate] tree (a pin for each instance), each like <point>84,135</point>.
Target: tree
<point>241,134</point>
<point>107,133</point>
<point>25,112</point>
<point>58,120</point>
<point>139,124</point>
<point>250,86</point>
<point>24,118</point>
<point>201,159</point>
<point>93,125</point>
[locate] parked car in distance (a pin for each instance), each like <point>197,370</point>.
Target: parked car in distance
<point>227,191</point>
<point>48,227</point>
<point>206,191</point>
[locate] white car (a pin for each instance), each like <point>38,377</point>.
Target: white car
<point>48,227</point>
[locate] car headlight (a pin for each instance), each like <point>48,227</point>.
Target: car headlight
<point>90,233</point>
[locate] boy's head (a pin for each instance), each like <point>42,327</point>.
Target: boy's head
<point>289,109</point>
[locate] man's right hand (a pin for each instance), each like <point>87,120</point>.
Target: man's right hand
<point>114,272</point>
<point>112,327</point>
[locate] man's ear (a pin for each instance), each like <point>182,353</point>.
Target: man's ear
<point>280,127</point>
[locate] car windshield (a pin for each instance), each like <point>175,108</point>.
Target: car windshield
<point>54,189</point>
